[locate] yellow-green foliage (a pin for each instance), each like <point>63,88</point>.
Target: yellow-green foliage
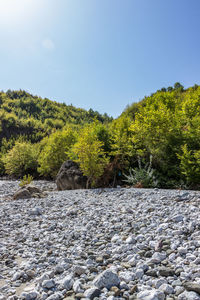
<point>24,114</point>
<point>54,151</point>
<point>122,145</point>
<point>89,154</point>
<point>167,122</point>
<point>21,159</point>
<point>27,179</point>
<point>190,165</point>
<point>164,126</point>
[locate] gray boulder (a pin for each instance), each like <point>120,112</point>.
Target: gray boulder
<point>26,192</point>
<point>70,177</point>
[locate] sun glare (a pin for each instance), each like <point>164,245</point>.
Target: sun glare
<point>16,12</point>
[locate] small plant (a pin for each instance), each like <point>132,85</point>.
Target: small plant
<point>142,176</point>
<point>27,179</point>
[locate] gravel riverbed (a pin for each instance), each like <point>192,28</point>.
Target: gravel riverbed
<point>100,244</point>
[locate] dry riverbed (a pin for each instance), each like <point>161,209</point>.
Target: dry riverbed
<point>100,244</point>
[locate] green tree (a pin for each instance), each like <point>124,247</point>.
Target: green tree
<point>21,159</point>
<point>122,145</point>
<point>88,153</point>
<point>190,165</point>
<point>54,151</point>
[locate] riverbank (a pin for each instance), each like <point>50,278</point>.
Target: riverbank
<point>110,243</point>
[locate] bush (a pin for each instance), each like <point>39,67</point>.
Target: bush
<point>142,176</point>
<point>21,159</point>
<point>27,179</point>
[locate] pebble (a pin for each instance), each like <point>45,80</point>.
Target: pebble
<point>114,244</point>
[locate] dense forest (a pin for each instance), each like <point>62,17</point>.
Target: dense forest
<point>154,143</point>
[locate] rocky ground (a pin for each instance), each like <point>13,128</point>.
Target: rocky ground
<point>100,244</point>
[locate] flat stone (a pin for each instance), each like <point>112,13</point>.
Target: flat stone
<point>165,271</point>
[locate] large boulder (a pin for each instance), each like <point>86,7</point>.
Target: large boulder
<point>70,177</point>
<point>26,192</point>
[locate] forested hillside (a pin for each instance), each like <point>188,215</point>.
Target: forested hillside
<point>32,117</point>
<point>154,143</point>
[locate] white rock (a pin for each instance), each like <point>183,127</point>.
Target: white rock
<point>178,218</point>
<point>151,295</point>
<point>130,240</point>
<point>139,273</point>
<point>77,286</point>
<point>80,270</point>
<point>48,284</point>
<point>167,289</point>
<point>157,257</point>
<point>115,238</point>
<point>29,296</point>
<point>67,282</point>
<point>189,296</point>
<point>127,276</point>
<point>182,250</point>
<point>106,279</point>
<point>159,282</point>
<point>92,293</point>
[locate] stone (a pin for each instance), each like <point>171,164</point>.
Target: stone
<point>26,192</point>
<point>106,279</point>
<point>157,257</point>
<point>77,286</point>
<point>178,218</point>
<point>123,285</point>
<point>151,272</point>
<point>37,211</point>
<point>167,289</point>
<point>182,250</point>
<point>151,295</point>
<point>33,295</point>
<point>127,276</point>
<point>130,240</point>
<point>22,193</point>
<point>67,282</point>
<point>139,273</point>
<point>70,177</point>
<point>55,296</point>
<point>192,286</point>
<point>165,271</point>
<point>92,292</point>
<point>79,270</point>
<point>48,284</point>
<point>116,290</point>
<point>188,296</point>
<point>17,275</point>
<point>59,270</point>
<point>33,189</point>
<point>159,282</point>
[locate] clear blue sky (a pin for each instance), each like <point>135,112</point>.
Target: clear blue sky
<point>99,54</point>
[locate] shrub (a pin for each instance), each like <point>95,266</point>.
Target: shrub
<point>27,179</point>
<point>142,176</point>
<point>21,159</point>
